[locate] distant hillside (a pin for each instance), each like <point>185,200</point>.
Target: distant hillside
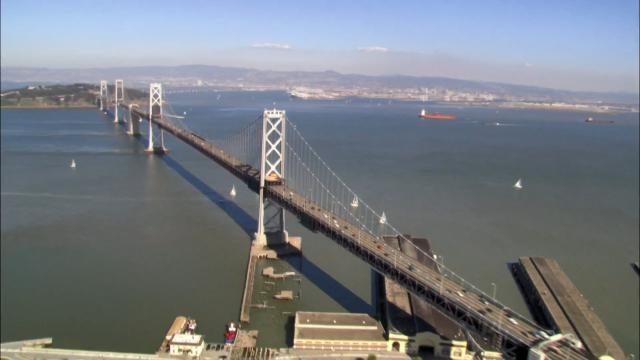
<point>53,96</point>
<point>230,77</point>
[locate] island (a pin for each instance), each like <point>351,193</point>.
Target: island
<point>78,95</point>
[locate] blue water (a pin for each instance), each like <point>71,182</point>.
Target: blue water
<point>104,256</point>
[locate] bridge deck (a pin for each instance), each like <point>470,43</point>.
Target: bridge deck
<point>461,301</point>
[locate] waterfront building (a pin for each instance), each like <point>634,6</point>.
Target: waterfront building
<point>186,344</point>
<point>338,332</point>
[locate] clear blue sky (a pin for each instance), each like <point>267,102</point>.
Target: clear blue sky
<point>558,43</point>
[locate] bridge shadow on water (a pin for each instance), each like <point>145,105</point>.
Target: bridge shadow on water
<point>246,222</point>
<point>328,284</point>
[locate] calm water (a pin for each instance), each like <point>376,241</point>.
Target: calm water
<point>106,255</point>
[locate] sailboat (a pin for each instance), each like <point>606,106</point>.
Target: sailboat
<point>73,164</point>
<point>354,202</point>
<point>233,191</point>
<point>383,218</point>
<point>518,184</point>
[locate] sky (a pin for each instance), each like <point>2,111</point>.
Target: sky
<point>567,44</point>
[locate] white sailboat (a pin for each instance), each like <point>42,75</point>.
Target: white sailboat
<point>233,191</point>
<point>73,164</point>
<point>383,218</point>
<point>354,202</point>
<point>518,184</point>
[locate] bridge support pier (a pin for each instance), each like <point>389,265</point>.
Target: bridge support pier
<point>155,111</point>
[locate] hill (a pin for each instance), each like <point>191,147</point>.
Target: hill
<point>77,95</point>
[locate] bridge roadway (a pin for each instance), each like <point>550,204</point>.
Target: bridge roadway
<point>463,303</point>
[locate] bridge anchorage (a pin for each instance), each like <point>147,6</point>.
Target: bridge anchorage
<point>274,160</point>
<point>133,124</point>
<point>155,113</point>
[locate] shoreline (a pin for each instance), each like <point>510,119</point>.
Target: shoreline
<point>48,107</point>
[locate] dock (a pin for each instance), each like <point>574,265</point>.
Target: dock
<point>248,286</point>
<point>557,303</point>
<point>292,248</point>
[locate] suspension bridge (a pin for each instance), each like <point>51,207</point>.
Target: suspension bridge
<point>272,157</point>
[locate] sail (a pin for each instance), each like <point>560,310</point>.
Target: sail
<point>73,163</point>
<point>354,202</point>
<point>518,184</point>
<point>233,191</point>
<point>383,218</point>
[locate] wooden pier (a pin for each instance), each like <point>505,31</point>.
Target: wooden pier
<point>556,302</point>
<point>248,286</point>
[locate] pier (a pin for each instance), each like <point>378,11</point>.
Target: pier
<point>556,302</point>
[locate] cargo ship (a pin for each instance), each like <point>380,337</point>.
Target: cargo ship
<point>595,121</point>
<point>424,114</point>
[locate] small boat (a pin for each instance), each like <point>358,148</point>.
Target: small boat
<point>518,184</point>
<point>383,218</point>
<point>191,325</point>
<point>73,164</point>
<point>233,191</point>
<point>354,202</point>
<point>230,334</point>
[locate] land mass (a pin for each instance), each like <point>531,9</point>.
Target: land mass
<point>332,85</point>
<point>58,96</point>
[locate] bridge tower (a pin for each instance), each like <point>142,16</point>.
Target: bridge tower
<point>103,95</point>
<point>134,121</point>
<point>272,172</point>
<point>155,112</point>
<point>118,97</point>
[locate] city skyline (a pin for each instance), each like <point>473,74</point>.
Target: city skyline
<point>577,45</point>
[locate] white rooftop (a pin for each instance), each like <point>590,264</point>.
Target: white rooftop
<point>187,339</point>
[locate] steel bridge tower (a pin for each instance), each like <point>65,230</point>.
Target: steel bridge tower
<point>104,95</point>
<point>272,165</point>
<point>118,98</point>
<point>155,111</point>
